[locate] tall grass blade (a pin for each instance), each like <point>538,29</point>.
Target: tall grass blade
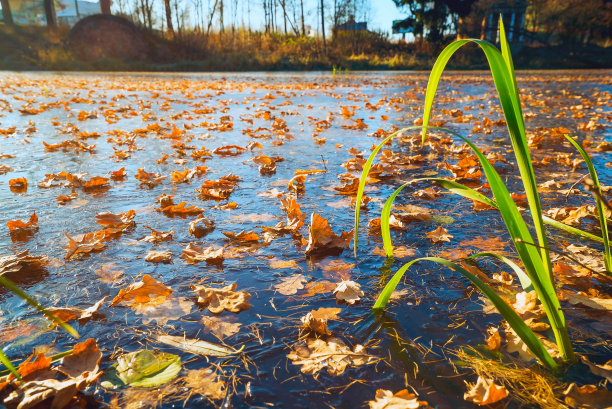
<point>505,83</point>
<point>516,322</point>
<point>8,365</point>
<point>600,208</point>
<point>5,282</point>
<point>522,276</point>
<point>364,178</point>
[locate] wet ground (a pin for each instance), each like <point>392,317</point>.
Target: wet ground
<point>438,311</point>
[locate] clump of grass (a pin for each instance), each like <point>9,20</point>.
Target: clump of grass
<point>534,255</point>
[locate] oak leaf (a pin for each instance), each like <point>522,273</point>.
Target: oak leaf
<point>226,298</point>
<point>290,285</point>
<point>142,291</point>
<point>439,235</point>
<point>67,314</point>
<point>332,354</point>
<point>16,225</point>
<point>322,240</point>
<point>485,392</point>
<point>220,327</point>
<point>159,256</point>
<point>194,253</point>
<point>385,399</point>
<point>348,291</point>
<point>84,243</point>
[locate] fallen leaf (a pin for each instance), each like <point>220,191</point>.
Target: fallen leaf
<point>201,226</point>
<point>157,236</point>
<point>403,399</point>
<point>485,392</point>
<point>143,368</point>
<point>439,235</point>
<point>142,291</point>
<point>318,287</point>
<point>195,346</point>
<point>493,340</point>
<point>161,310</point>
<point>348,291</point>
<point>316,320</point>
<point>121,220</point>
<point>242,238</point>
<point>193,253</point>
<point>219,299</point>
<point>321,239</point>
<point>205,382</point>
<point>604,370</point>
<point>220,327</point>
<point>282,264</point>
<point>18,225</point>
<point>67,314</point>
<point>85,243</point>
<point>587,397</point>
<point>332,354</point>
<point>158,256</point>
<point>290,285</point>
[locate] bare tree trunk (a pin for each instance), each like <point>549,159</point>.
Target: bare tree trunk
<point>169,16</point>
<point>212,16</point>
<point>49,12</point>
<point>221,26</point>
<point>302,12</point>
<point>7,16</point>
<point>323,24</point>
<point>284,15</point>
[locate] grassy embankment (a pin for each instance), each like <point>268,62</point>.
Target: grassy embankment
<point>40,48</point>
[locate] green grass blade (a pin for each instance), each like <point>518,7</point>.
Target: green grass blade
<point>517,324</point>
<point>8,284</point>
<point>505,84</point>
<point>8,365</point>
<point>600,209</point>
<point>385,229</point>
<point>364,178</point>
<point>528,254</point>
<point>562,226</point>
<point>522,276</point>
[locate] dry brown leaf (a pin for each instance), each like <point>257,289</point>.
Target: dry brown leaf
<point>201,226</point>
<point>220,327</point>
<point>83,316</point>
<point>316,320</point>
<point>587,397</point>
<point>83,362</point>
<point>403,399</point>
<point>439,235</point>
<point>280,264</point>
<point>109,273</point>
<point>219,299</point>
<point>205,382</point>
<point>242,238</point>
<point>485,392</point>
<point>604,370</point>
<point>332,354</point>
<point>318,287</point>
<point>493,340</point>
<point>348,291</point>
<point>162,310</point>
<point>597,303</point>
<point>142,291</point>
<point>158,236</point>
<point>525,302</point>
<point>159,256</point>
<point>290,285</point>
<point>85,243</point>
<point>122,220</point>
<point>193,253</point>
<point>399,252</point>
<point>321,239</point>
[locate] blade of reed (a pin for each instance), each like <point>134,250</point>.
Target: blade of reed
<point>522,276</point>
<point>8,365</point>
<point>516,322</point>
<point>505,83</point>
<point>600,209</point>
<point>364,178</point>
<point>5,282</point>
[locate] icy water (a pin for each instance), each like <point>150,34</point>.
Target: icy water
<point>437,310</point>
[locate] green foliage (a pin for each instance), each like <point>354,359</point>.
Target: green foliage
<point>535,258</point>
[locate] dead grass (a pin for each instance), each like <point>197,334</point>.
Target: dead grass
<point>530,385</point>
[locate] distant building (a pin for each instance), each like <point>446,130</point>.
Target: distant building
<point>513,14</point>
<point>353,25</point>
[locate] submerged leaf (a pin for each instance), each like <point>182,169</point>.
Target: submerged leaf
<point>485,392</point>
<point>143,368</point>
